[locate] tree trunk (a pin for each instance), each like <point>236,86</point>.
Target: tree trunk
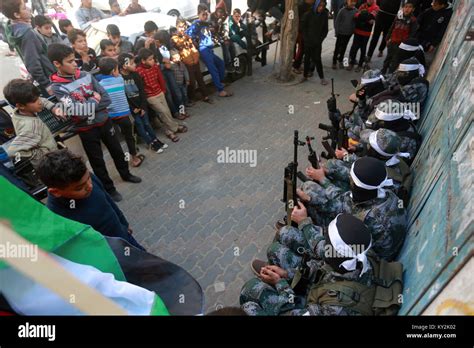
<point>289,32</point>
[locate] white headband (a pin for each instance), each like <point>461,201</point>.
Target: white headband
<point>379,188</point>
<point>410,48</point>
<point>385,116</point>
<point>345,250</point>
<point>393,157</point>
<point>373,79</point>
<point>412,67</point>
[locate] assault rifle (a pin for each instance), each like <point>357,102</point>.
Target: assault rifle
<point>289,183</point>
<point>312,158</point>
<point>337,132</point>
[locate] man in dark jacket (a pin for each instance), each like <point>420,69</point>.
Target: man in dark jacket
<point>29,46</point>
<point>387,12</point>
<point>433,23</point>
<point>315,30</point>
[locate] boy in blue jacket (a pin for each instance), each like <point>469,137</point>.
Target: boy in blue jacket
<point>200,32</point>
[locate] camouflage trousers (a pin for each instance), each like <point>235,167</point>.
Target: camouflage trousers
<point>286,252</point>
<point>259,298</point>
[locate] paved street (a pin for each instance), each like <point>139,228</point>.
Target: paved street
<point>211,218</point>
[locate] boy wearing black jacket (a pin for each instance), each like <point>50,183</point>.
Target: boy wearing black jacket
<point>315,30</point>
<point>137,100</point>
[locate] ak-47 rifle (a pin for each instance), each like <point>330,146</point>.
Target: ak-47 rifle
<point>313,158</point>
<point>337,133</point>
<point>291,173</point>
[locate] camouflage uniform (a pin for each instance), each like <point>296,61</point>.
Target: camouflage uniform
<point>262,299</point>
<point>338,171</point>
<point>408,144</point>
<point>364,106</point>
<point>286,250</point>
<point>385,217</point>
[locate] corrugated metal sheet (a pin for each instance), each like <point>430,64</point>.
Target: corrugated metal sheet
<point>440,241</point>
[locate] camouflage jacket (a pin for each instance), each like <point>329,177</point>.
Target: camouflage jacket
<point>259,298</point>
<point>338,171</point>
<point>385,217</point>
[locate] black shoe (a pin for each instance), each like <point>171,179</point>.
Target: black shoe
<point>116,197</point>
<point>132,178</point>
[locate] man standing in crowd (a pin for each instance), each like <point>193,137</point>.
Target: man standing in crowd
<point>86,14</point>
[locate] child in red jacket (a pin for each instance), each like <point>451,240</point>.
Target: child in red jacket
<point>404,27</point>
<point>364,19</point>
<point>155,89</point>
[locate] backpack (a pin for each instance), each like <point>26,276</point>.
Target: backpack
<point>381,298</point>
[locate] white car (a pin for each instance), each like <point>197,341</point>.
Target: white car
<point>176,8</point>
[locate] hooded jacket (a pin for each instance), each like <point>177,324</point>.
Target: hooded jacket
<point>315,27</point>
<point>32,50</point>
<point>345,23</point>
<point>76,93</point>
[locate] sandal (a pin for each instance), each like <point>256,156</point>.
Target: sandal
<point>208,100</point>
<point>226,95</point>
<point>182,129</point>
<point>173,137</point>
<point>140,159</point>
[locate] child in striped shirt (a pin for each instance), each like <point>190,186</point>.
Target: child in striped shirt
<point>119,110</point>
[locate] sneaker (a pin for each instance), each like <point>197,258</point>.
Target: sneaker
<point>133,179</point>
<point>257,266</point>
<point>334,66</point>
<point>116,197</point>
<point>156,148</point>
<point>358,68</point>
<point>350,67</point>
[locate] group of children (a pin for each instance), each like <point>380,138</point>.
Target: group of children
<point>117,90</point>
<point>356,20</point>
<point>397,21</point>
